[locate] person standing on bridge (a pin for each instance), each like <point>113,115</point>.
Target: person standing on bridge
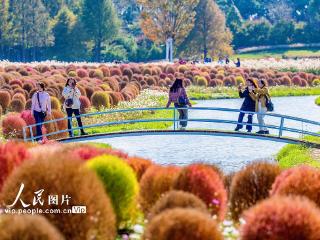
<point>72,104</point>
<point>178,96</point>
<point>249,104</point>
<point>261,95</point>
<point>40,109</point>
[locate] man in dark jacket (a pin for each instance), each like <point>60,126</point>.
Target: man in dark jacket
<point>248,105</point>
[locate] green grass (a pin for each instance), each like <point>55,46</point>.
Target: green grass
<point>295,155</point>
<point>165,114</point>
<point>279,53</point>
<point>201,93</point>
<point>317,101</point>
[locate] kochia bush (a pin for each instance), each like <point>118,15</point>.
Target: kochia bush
<point>12,126</point>
<point>120,184</point>
<point>204,182</point>
<point>27,227</point>
<point>282,218</point>
<point>100,100</point>
<point>59,175</point>
<point>178,224</point>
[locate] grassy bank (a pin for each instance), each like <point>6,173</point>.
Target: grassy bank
<point>279,53</point>
<point>294,155</point>
<point>201,93</point>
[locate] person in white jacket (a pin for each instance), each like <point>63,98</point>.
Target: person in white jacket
<point>72,104</point>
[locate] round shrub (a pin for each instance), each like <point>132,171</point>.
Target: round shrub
<point>85,104</point>
<point>296,80</point>
<point>286,81</point>
<point>20,96</point>
<point>12,126</point>
<point>105,70</point>
<point>156,181</point>
<point>89,91</point>
<point>55,103</point>
<point>88,152</point>
<point>100,99</point>
<point>302,180</point>
<point>97,73</point>
<point>251,185</point>
<point>169,69</point>
<point>139,165</point>
<point>27,227</point>
<point>11,155</point>
<point>316,82</point>
<point>120,184</point>
<point>61,124</point>
<point>17,105</point>
<point>177,224</point>
<point>282,218</point>
<point>204,182</point>
<point>115,71</point>
<point>177,199</point>
<point>127,72</point>
<point>201,81</point>
<point>82,73</point>
<point>5,99</point>
<point>58,174</point>
<point>240,80</point>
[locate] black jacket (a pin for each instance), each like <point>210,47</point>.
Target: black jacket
<point>248,104</point>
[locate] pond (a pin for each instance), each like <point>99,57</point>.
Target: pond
<point>230,154</point>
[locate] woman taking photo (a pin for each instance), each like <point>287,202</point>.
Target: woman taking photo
<point>40,108</point>
<point>248,105</point>
<point>72,104</point>
<point>178,96</point>
<point>261,95</point>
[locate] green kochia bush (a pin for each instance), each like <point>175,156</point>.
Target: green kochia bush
<point>120,183</point>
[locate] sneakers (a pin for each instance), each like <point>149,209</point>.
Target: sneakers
<point>182,128</point>
<point>263,132</point>
<point>237,129</point>
<point>84,134</point>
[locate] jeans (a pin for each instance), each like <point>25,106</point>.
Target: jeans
<point>183,116</point>
<point>76,112</point>
<point>240,120</point>
<point>262,125</point>
<point>39,119</point>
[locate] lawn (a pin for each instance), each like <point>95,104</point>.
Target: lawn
<point>279,53</point>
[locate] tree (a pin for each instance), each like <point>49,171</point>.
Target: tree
<point>53,6</point>
<point>282,32</point>
<point>68,39</point>
<point>313,21</point>
<point>209,34</point>
<point>101,24</point>
<point>29,27</point>
<point>163,19</point>
<point>279,11</point>
<point>4,25</point>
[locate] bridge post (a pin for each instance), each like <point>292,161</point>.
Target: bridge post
<point>24,134</point>
<point>31,134</point>
<point>174,119</point>
<point>281,127</point>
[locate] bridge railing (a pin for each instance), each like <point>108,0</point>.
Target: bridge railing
<point>280,127</point>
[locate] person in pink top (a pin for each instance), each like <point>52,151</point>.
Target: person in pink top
<point>40,108</point>
<point>178,96</point>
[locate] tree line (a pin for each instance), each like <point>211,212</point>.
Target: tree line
<point>136,30</point>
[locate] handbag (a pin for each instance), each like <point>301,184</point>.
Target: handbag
<point>182,101</point>
<point>43,114</point>
<point>269,104</point>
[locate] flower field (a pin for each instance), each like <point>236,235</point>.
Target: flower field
<point>133,198</point>
<point>105,86</point>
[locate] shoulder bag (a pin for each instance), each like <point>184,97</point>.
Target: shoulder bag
<point>43,114</point>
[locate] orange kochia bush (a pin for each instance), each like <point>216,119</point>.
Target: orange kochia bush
<point>204,182</point>
<point>156,181</point>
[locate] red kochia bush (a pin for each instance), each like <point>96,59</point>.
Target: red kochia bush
<point>204,182</point>
<point>12,126</point>
<point>186,224</point>
<point>11,155</point>
<point>302,180</point>
<point>85,104</point>
<point>88,152</point>
<point>250,185</point>
<point>285,218</point>
<point>156,181</point>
